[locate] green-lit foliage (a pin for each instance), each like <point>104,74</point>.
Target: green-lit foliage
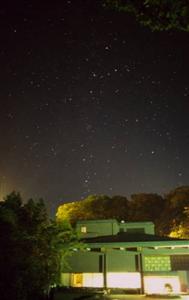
<point>158,15</point>
<point>168,212</point>
<point>94,207</point>
<point>174,213</point>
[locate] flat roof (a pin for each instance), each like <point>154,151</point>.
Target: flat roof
<point>97,221</point>
<point>130,240</point>
<point>114,220</point>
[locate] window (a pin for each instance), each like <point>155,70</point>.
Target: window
<point>77,280</point>
<point>180,262</point>
<point>83,229</point>
<point>96,249</point>
<point>126,280</point>
<point>161,284</point>
<point>157,263</point>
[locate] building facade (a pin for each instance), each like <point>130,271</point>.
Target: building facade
<point>127,255</point>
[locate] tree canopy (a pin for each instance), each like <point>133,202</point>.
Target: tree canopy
<point>146,206</point>
<point>177,212</point>
<point>168,212</point>
<point>158,15</point>
<point>94,207</point>
<point>33,248</point>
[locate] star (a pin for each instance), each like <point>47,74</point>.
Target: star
<point>91,103</point>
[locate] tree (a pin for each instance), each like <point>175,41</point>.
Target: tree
<point>175,210</point>
<point>168,212</point>
<point>146,207</point>
<point>94,207</point>
<point>63,240</point>
<point>181,230</point>
<point>9,211</point>
<point>158,15</point>
<point>32,248</point>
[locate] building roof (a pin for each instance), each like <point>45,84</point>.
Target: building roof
<point>124,237</point>
<point>96,221</point>
<point>88,221</point>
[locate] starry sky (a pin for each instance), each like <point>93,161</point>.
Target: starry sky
<point>91,103</point>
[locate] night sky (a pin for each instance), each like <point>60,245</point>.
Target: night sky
<point>91,103</point>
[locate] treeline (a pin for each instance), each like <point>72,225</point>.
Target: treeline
<point>33,249</point>
<point>170,212</point>
<point>157,15</point>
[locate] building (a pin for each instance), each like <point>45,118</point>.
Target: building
<point>128,255</point>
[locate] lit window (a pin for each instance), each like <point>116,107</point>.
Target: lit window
<point>157,263</point>
<point>161,284</point>
<point>93,280</point>
<point>77,280</point>
<point>124,280</point>
<point>87,280</point>
<point>83,229</point>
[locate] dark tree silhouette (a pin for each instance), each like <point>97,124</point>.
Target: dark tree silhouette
<point>32,249</point>
<point>158,15</point>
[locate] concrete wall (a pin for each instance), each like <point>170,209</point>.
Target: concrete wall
<point>120,261</point>
<point>97,227</point>
<point>84,262</point>
<point>111,227</point>
<point>146,227</point>
<point>89,261</point>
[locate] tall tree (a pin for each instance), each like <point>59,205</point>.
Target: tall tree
<point>174,213</point>
<point>32,248</point>
<point>156,14</point>
<point>146,207</point>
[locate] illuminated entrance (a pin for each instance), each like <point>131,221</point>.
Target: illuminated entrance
<point>114,280</point>
<point>128,256</point>
<point>94,280</point>
<point>124,280</point>
<point>161,284</point>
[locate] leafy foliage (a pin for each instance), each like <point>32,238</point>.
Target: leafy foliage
<point>32,248</point>
<point>168,212</point>
<point>94,207</point>
<point>145,206</point>
<point>159,15</point>
<point>177,216</point>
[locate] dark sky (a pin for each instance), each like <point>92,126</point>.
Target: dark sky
<point>91,103</point>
